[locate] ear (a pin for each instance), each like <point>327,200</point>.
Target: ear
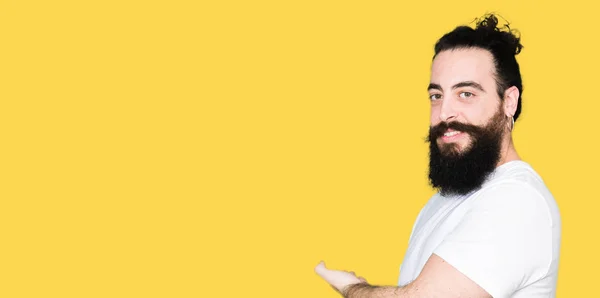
<point>511,99</point>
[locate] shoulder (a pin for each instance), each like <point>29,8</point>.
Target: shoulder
<point>517,183</point>
<point>509,233</point>
<point>517,171</point>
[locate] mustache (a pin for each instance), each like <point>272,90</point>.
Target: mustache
<point>439,130</point>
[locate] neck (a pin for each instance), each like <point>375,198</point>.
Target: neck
<point>509,152</point>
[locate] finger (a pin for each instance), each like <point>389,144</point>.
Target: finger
<point>321,269</point>
<point>362,279</point>
<point>326,274</point>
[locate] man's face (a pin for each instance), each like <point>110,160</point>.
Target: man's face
<point>467,120</point>
<point>463,90</point>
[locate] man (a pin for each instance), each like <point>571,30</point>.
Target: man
<point>493,228</point>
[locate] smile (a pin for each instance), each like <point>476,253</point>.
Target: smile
<point>452,135</point>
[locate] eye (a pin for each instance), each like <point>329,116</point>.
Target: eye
<point>466,94</point>
<point>434,97</point>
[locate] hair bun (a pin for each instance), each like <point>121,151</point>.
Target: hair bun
<point>502,34</point>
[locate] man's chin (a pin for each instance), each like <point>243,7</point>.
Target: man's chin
<point>452,149</point>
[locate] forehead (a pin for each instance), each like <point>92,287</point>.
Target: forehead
<point>452,66</point>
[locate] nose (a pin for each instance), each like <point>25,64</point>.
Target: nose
<point>447,111</point>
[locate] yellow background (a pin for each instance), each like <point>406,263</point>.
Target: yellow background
<point>224,148</point>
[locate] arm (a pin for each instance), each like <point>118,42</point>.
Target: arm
<point>501,244</point>
<point>438,279</point>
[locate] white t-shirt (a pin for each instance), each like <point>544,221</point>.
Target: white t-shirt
<point>505,236</point>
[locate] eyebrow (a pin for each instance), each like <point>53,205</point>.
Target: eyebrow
<point>472,84</point>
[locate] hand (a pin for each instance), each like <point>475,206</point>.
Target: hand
<point>339,280</point>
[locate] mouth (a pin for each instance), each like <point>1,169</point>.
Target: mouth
<point>452,135</point>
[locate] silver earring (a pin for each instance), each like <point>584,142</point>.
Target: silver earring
<point>512,123</point>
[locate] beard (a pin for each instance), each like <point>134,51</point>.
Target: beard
<point>456,172</point>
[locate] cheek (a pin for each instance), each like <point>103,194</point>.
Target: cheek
<point>480,114</point>
<point>435,116</point>
<point>473,116</point>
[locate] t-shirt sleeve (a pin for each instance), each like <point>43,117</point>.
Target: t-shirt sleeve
<point>504,241</point>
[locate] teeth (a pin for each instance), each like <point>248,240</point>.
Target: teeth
<point>452,133</point>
